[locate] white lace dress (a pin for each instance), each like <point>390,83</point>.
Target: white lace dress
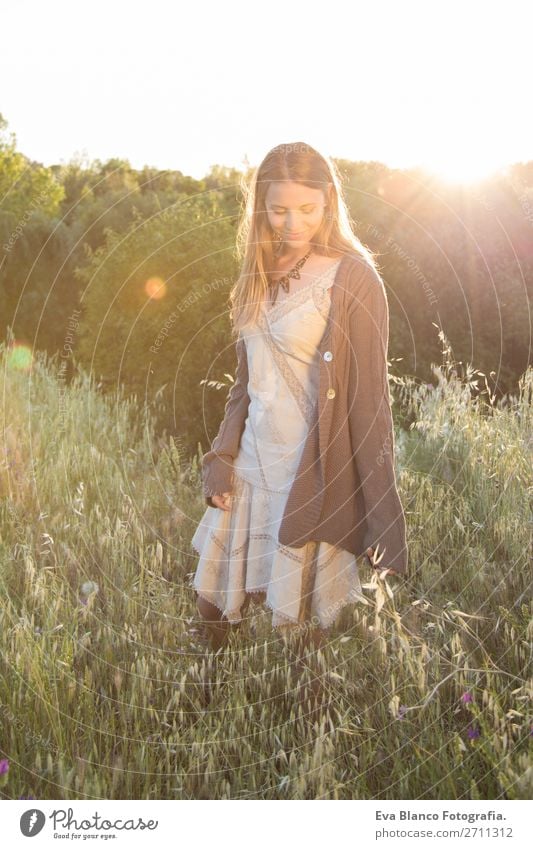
<point>239,549</point>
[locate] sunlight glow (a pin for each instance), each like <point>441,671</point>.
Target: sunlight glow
<point>446,90</point>
<point>464,171</point>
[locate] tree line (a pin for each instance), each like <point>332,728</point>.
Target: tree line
<point>126,273</point>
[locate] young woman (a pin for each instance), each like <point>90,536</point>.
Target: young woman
<point>300,479</point>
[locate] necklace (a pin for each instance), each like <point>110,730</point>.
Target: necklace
<point>284,281</point>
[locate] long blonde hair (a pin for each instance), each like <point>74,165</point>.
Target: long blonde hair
<point>298,163</point>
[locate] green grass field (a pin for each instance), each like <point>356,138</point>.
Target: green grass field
<point>102,666</point>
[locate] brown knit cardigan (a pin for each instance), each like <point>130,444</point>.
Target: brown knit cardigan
<point>344,491</point>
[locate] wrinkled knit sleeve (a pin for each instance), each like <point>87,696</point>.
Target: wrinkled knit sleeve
<point>217,464</point>
<point>371,424</point>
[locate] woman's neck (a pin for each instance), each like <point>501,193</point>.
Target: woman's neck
<point>289,258</point>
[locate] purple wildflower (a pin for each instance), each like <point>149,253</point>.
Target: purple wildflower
<point>4,766</point>
<point>467,697</point>
<point>473,732</point>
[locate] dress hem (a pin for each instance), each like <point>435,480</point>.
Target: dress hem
<point>290,621</point>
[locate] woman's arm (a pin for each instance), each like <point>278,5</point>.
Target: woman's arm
<point>371,424</point>
<point>217,464</point>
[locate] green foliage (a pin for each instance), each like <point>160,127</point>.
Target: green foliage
<point>102,672</point>
<point>33,243</point>
<point>155,308</point>
<point>24,185</point>
<point>85,237</point>
<point>36,295</point>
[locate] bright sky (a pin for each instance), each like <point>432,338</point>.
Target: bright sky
<point>184,85</point>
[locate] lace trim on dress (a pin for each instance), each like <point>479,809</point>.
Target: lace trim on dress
<point>300,395</point>
<point>235,617</point>
<point>294,299</point>
<point>305,587</point>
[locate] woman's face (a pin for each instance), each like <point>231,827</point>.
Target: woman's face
<point>295,211</point>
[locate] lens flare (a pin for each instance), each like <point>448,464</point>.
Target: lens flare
<point>20,357</point>
<point>155,288</point>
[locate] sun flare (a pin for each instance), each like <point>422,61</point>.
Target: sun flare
<point>463,170</point>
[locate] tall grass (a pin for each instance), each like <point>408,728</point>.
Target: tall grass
<point>102,673</point>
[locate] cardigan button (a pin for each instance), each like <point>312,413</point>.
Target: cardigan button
<point>331,392</point>
<point>328,356</point>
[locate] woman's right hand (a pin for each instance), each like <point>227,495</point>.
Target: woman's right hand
<point>222,501</point>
